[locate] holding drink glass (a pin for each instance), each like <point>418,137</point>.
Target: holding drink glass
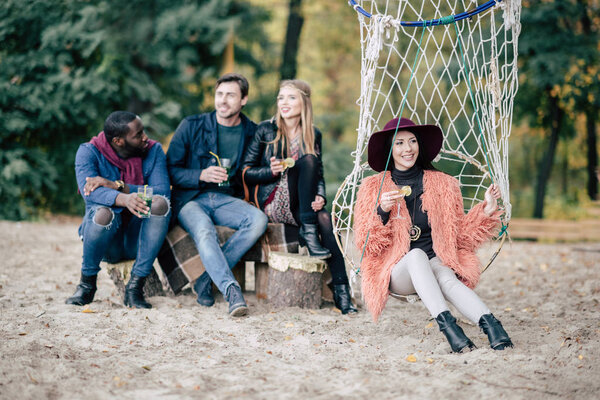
<point>225,163</point>
<point>403,191</point>
<point>145,193</point>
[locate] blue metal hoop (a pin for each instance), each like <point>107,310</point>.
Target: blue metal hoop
<point>433,22</point>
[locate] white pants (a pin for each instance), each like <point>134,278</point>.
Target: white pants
<point>435,283</point>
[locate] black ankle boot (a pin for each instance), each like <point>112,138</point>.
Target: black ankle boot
<point>309,237</point>
<point>203,288</point>
<point>454,333</point>
<point>85,291</point>
<point>498,337</point>
<point>342,298</point>
<point>134,293</point>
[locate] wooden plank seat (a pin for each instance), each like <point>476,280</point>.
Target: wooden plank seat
<point>181,264</point>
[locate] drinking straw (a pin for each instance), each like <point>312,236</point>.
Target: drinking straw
<point>145,186</point>
<point>217,157</point>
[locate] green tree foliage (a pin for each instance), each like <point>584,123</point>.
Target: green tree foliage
<point>549,45</point>
<point>65,65</point>
<point>582,93</point>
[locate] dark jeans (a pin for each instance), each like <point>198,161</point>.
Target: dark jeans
<point>124,237</point>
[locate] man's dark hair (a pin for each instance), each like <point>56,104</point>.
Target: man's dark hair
<point>240,79</point>
<point>116,124</point>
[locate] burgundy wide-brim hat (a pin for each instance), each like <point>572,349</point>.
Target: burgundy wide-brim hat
<point>430,136</point>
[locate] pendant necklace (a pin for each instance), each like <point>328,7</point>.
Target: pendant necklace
<point>414,232</point>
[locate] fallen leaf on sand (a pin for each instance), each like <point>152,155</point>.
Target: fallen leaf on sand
<point>147,368</point>
<point>351,340</point>
<point>288,338</point>
<point>429,325</point>
<point>87,309</point>
<point>411,358</point>
<point>430,360</point>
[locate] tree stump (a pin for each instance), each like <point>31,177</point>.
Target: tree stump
<point>120,273</point>
<point>295,280</point>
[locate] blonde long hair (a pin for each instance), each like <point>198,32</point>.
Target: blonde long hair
<point>306,119</point>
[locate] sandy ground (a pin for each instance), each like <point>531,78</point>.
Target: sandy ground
<point>547,297</point>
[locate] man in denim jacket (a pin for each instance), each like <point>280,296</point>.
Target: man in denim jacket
<point>206,194</point>
<point>118,224</point>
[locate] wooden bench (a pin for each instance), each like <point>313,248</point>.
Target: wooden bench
<point>554,230</point>
<point>181,264</point>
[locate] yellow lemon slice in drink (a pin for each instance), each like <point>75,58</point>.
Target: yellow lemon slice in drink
<point>289,162</point>
<point>405,190</point>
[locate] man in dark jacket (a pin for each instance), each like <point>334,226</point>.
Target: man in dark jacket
<point>206,191</point>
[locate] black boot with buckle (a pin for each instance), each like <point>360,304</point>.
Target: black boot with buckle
<point>85,291</point>
<point>309,237</point>
<point>497,336</point>
<point>454,333</point>
<point>134,293</point>
<point>342,298</point>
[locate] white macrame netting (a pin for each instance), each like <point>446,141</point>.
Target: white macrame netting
<point>438,93</point>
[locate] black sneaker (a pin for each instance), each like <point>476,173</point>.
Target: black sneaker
<point>237,305</point>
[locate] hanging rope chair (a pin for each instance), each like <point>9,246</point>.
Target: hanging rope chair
<point>458,71</point>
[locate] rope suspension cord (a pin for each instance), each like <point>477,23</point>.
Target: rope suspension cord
<point>387,163</point>
<point>476,111</point>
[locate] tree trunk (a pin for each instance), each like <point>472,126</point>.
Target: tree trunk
<point>289,64</point>
<point>592,155</point>
<point>556,116</point>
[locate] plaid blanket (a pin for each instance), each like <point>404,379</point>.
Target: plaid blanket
<point>179,260</point>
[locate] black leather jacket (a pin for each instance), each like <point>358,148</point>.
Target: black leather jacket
<point>258,156</point>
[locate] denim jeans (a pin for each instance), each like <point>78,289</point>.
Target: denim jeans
<point>199,217</point>
<point>126,237</point>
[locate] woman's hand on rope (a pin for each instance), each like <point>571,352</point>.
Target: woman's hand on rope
<point>492,194</point>
<point>388,199</point>
<point>277,166</point>
<point>318,204</point>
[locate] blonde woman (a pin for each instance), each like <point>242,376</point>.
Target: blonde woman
<point>296,195</point>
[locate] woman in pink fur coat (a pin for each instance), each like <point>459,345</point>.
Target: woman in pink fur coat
<point>420,240</point>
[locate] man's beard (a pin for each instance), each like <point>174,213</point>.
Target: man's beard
<point>133,151</point>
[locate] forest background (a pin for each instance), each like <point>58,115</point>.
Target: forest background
<point>66,64</point>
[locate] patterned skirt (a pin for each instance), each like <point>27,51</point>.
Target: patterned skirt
<point>278,209</point>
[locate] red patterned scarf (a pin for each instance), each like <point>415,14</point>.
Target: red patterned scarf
<point>130,168</point>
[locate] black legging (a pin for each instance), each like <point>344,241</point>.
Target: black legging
<point>302,181</point>
<point>336,261</point>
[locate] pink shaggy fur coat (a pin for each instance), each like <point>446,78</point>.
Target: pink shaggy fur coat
<point>456,236</point>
